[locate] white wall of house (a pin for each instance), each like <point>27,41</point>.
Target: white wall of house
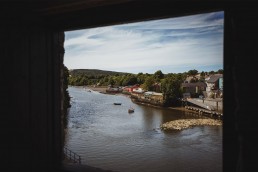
<point>138,90</point>
<point>209,86</point>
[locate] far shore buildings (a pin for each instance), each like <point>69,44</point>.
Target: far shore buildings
<point>138,90</point>
<point>112,89</point>
<point>215,82</point>
<point>194,88</point>
<point>130,88</point>
<point>149,97</point>
<point>211,88</point>
<point>142,95</point>
<point>215,85</point>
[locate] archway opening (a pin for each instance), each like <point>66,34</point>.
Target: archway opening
<point>144,57</point>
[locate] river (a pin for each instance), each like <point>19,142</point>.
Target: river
<point>108,137</point>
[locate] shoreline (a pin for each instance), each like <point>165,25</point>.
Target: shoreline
<point>147,104</point>
<point>98,89</point>
<point>171,125</point>
<point>102,89</point>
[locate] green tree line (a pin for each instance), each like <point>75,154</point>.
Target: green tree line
<point>168,84</point>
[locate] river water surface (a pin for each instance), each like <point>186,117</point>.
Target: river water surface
<point>108,137</point>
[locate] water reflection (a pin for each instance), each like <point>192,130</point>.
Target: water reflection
<point>108,137</point>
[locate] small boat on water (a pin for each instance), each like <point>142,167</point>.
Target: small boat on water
<point>130,110</point>
<point>117,103</point>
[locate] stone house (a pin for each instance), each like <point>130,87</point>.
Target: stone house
<point>215,85</point>
<point>213,82</point>
<point>192,88</point>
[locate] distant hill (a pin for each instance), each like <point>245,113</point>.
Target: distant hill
<point>94,72</point>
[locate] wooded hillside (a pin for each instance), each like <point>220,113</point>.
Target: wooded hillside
<point>94,72</point>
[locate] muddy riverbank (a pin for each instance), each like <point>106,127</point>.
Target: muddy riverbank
<point>102,89</point>
<point>98,89</point>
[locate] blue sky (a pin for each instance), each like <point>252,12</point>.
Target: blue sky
<point>172,45</point>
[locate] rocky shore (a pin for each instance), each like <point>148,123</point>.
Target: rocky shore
<point>187,123</point>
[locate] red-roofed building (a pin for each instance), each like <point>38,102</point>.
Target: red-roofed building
<point>130,88</point>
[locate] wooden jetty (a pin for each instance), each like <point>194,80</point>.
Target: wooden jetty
<point>205,111</point>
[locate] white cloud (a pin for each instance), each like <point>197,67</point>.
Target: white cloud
<point>197,41</point>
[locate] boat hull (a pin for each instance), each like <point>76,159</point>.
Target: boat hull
<point>130,110</point>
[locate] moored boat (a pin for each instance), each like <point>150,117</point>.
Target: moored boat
<point>130,110</point>
<point>117,103</point>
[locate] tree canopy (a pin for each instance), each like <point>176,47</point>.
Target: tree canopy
<point>158,75</point>
<point>171,89</point>
<point>193,72</point>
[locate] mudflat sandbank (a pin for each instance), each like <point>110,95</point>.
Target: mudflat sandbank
<point>187,123</point>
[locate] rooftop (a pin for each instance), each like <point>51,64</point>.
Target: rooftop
<point>214,78</point>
